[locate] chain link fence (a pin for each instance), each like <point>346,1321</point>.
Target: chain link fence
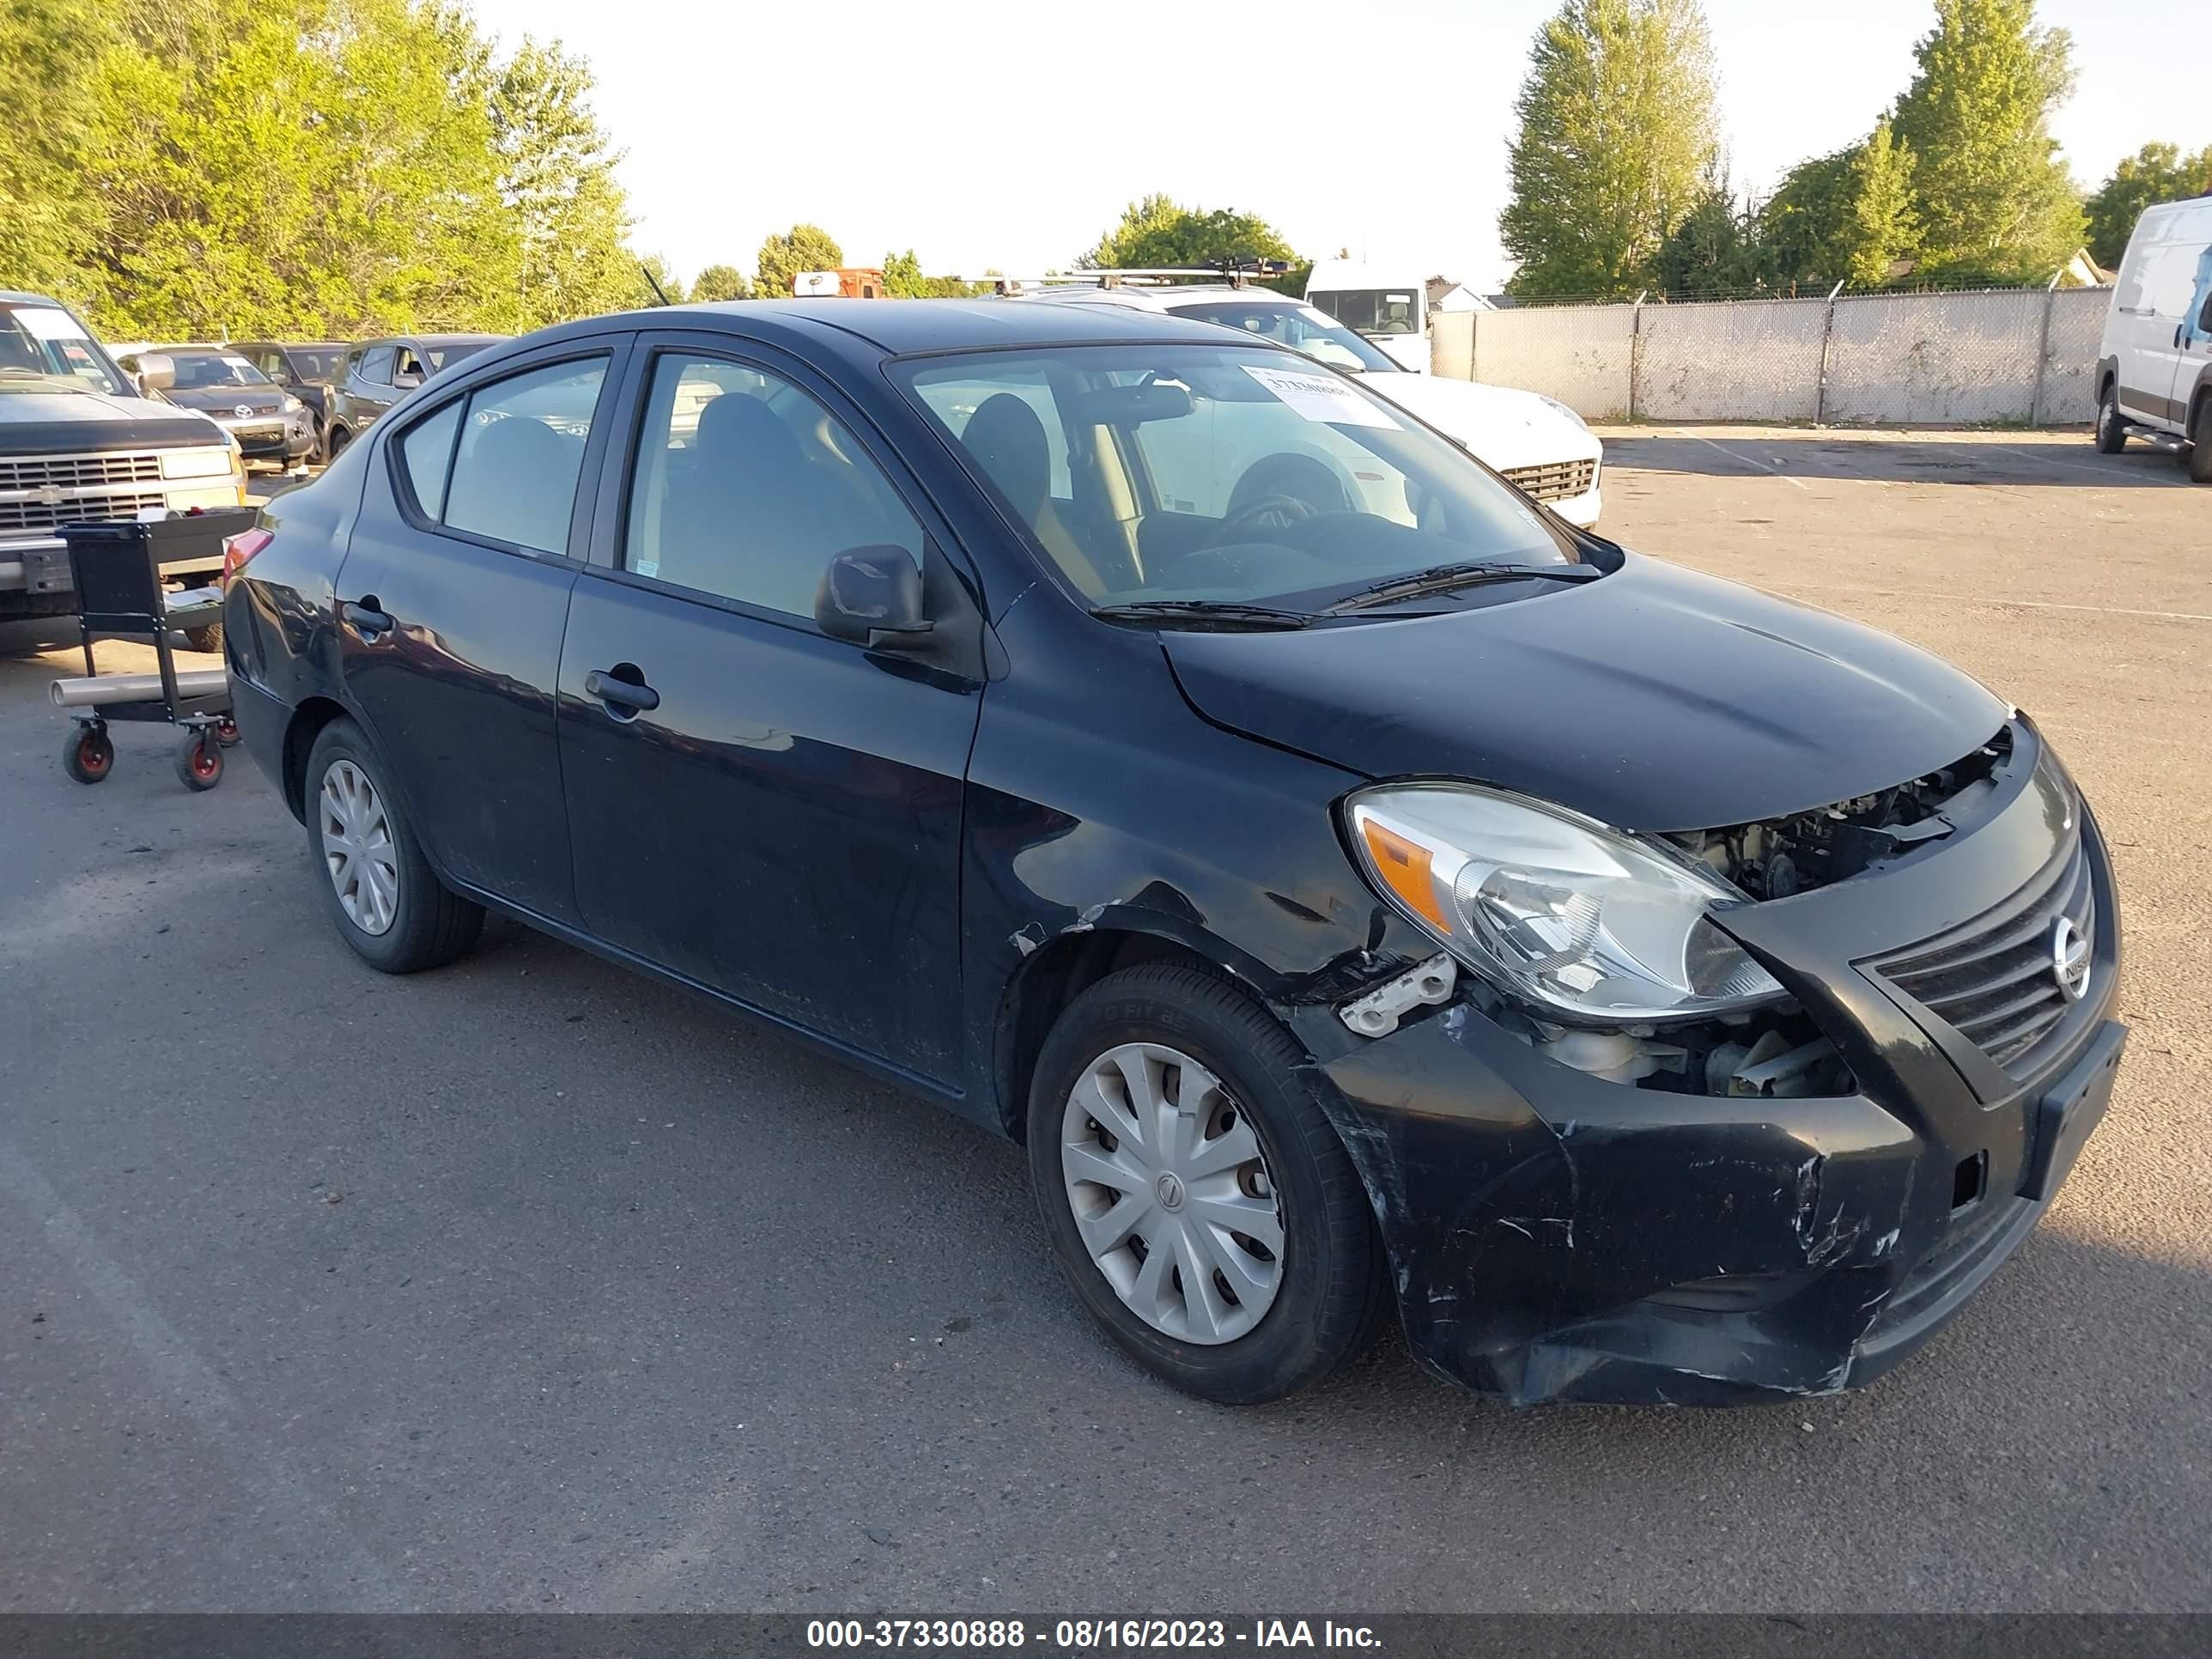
<point>2024,355</point>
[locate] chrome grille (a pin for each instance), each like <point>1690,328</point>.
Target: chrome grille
<point>1993,980</point>
<point>1554,481</point>
<point>17,516</point>
<point>78,471</point>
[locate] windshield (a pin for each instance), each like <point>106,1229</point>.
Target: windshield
<point>1300,327</point>
<point>439,356</point>
<point>1227,473</point>
<point>1373,310</point>
<point>211,371</point>
<point>41,346</point>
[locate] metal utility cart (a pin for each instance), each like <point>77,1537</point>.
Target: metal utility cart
<point>116,568</point>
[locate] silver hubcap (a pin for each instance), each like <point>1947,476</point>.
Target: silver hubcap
<point>1171,1194</point>
<point>358,847</point>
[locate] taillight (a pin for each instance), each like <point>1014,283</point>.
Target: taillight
<point>237,550</point>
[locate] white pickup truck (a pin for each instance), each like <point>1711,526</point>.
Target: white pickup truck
<point>80,444</point>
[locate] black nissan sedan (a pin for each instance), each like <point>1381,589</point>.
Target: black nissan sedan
<point>1355,885</point>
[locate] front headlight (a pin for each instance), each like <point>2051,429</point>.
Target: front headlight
<point>211,462</point>
<point>1562,408</point>
<point>1590,925</point>
<point>291,405</point>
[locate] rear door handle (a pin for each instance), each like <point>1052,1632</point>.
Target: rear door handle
<point>364,616</point>
<point>620,694</point>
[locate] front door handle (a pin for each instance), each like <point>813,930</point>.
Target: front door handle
<point>624,697</point>
<point>364,616</point>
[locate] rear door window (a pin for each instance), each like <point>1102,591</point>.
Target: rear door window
<point>521,451</point>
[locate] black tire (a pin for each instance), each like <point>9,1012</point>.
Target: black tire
<point>88,756</point>
<point>199,761</point>
<point>205,639</point>
<point>334,444</point>
<point>226,733</point>
<point>2199,459</point>
<point>430,924</point>
<point>2112,430</point>
<point>1332,1290</point>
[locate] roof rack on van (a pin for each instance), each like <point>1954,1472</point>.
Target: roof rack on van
<point>1238,273</point>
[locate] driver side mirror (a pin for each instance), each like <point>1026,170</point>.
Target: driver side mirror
<point>872,597</point>
<point>406,382</point>
<point>157,371</point>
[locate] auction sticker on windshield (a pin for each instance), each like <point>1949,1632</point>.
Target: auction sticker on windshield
<point>44,322</point>
<point>1321,397</point>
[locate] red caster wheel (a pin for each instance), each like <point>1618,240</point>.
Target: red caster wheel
<point>88,756</point>
<point>200,760</point>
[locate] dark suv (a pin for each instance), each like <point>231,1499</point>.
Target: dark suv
<point>307,369</point>
<point>378,374</point>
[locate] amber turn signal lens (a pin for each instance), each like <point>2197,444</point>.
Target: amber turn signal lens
<point>1404,868</point>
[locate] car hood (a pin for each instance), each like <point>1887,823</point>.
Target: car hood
<point>63,423</point>
<point>1501,426</point>
<point>1654,699</point>
<point>225,402</point>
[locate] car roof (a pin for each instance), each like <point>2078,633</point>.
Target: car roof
<point>297,345</point>
<point>16,296</point>
<point>902,327</point>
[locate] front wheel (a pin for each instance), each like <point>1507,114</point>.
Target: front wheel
<point>391,908</point>
<point>2200,443</point>
<point>2111,429</point>
<point>1197,1196</point>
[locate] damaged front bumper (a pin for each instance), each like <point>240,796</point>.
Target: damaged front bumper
<point>1558,1235</point>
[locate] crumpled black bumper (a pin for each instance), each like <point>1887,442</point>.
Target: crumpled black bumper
<point>1555,1235</point>
<point>1636,1247</point>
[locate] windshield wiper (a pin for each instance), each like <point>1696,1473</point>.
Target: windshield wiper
<point>1441,578</point>
<point>1230,612</point>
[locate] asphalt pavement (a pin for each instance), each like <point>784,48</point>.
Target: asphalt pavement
<point>530,1285</point>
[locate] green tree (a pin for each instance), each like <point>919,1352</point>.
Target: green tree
<point>49,53</point>
<point>557,180</point>
<point>1993,198</point>
<point>720,282</point>
<point>1159,231</point>
<point>1714,250</point>
<point>1617,132</point>
<point>1847,215</point>
<point>2154,173</point>
<point>903,280</point>
<point>783,256</point>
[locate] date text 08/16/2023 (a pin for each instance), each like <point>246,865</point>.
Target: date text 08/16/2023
<point>1086,1635</point>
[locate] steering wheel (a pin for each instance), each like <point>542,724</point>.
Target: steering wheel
<point>1270,512</point>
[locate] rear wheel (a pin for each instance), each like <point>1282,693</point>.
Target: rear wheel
<point>395,913</point>
<point>2111,429</point>
<point>1198,1199</point>
<point>334,444</point>
<point>2200,442</point>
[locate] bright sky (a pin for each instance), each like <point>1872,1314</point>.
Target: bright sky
<point>1010,136</point>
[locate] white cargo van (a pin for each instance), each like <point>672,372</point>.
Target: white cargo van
<point>2154,369</point>
<point>1388,308</point>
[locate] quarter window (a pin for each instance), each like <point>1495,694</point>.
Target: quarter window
<point>427,452</point>
<point>746,487</point>
<point>521,450</point>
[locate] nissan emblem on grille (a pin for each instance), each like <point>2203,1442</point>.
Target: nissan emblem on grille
<point>2069,959</point>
